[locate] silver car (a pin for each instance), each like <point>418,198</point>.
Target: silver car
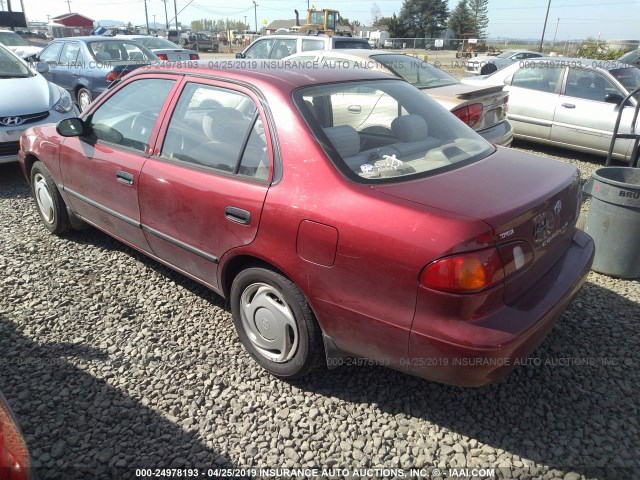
<point>570,103</point>
<point>27,99</point>
<point>488,64</point>
<point>482,108</point>
<point>164,49</point>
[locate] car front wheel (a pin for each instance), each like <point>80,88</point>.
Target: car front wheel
<point>275,323</point>
<point>84,98</point>
<point>51,206</point>
<point>215,48</point>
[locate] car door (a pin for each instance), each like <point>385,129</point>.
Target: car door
<point>260,49</point>
<point>202,191</point>
<point>101,169</point>
<point>66,72</point>
<point>51,55</point>
<point>532,99</point>
<point>583,119</point>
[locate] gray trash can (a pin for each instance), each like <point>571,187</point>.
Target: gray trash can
<point>613,220</point>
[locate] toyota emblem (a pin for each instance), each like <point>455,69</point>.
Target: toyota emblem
<point>557,207</point>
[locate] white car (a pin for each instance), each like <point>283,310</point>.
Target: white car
<point>27,99</point>
<point>18,45</point>
<point>570,102</point>
<point>488,64</point>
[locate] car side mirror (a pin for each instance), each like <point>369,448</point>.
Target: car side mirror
<point>239,55</point>
<point>70,127</point>
<point>507,81</point>
<point>42,67</point>
<point>614,98</point>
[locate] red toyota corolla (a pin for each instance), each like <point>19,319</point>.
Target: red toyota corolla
<point>341,213</point>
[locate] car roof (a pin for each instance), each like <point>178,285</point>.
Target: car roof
<point>94,38</point>
<point>282,74</point>
<point>349,53</point>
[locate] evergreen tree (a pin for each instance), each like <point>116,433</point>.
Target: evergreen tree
<point>423,18</point>
<point>460,20</point>
<point>479,10</point>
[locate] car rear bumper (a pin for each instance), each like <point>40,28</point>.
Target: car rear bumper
<point>499,134</point>
<point>481,351</point>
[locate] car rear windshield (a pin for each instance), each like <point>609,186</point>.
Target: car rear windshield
<point>361,44</point>
<point>415,71</point>
<point>387,130</point>
<point>110,51</point>
<point>12,39</point>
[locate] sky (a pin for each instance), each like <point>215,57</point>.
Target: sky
<point>568,19</point>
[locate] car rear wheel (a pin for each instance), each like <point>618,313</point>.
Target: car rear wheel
<point>215,48</point>
<point>275,323</point>
<point>488,68</point>
<point>51,206</point>
<point>84,98</point>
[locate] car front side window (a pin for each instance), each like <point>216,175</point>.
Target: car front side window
<point>260,49</point>
<point>128,116</point>
<point>50,54</point>
<point>589,85</point>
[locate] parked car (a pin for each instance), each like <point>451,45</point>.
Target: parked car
<point>86,66</point>
<point>570,103</point>
<point>200,42</point>
<point>27,99</point>
<point>341,212</point>
<point>488,64</point>
<point>18,45</point>
<point>280,46</point>
<point>15,462</point>
<point>632,58</point>
<point>482,108</point>
<point>164,49</point>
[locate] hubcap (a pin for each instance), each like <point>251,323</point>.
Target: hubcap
<point>84,101</point>
<point>269,322</point>
<point>44,199</point>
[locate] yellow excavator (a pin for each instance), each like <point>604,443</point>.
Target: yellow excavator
<point>325,20</point>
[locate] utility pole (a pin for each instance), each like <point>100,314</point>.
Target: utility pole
<point>245,23</point>
<point>146,15</point>
<point>545,25</point>
<point>175,8</point>
<point>69,4</point>
<point>9,6</point>
<point>166,15</point>
<point>255,13</point>
<point>2,4</point>
<point>154,20</point>
<point>556,33</point>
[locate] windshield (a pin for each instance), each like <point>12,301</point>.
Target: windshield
<point>629,78</point>
<point>12,39</point>
<point>417,72</point>
<point>630,57</point>
<point>506,54</point>
<point>155,42</point>
<point>386,130</point>
<point>12,67</point>
<point>108,51</point>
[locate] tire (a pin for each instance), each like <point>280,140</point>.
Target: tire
<point>215,48</point>
<point>50,205</point>
<point>83,99</point>
<point>275,323</point>
<point>488,68</point>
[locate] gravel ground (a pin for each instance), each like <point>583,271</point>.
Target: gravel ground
<point>113,362</point>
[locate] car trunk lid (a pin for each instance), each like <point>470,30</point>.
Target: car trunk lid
<point>531,203</point>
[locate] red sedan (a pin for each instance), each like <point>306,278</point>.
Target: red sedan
<point>342,213</point>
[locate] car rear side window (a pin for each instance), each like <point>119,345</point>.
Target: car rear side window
<point>70,52</point>
<point>129,115</point>
<point>217,128</point>
<point>309,44</point>
<point>536,76</point>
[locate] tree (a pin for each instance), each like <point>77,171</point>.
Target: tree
<point>393,26</point>
<point>598,49</point>
<point>460,20</point>
<point>423,18</point>
<point>479,10</point>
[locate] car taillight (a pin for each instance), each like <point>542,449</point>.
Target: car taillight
<point>194,56</point>
<point>162,56</point>
<point>112,76</point>
<point>505,104</point>
<point>14,456</point>
<point>464,273</point>
<point>469,114</point>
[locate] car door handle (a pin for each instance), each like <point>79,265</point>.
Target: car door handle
<point>237,215</point>
<point>354,109</point>
<point>124,177</point>
<point>568,105</point>
<point>75,74</point>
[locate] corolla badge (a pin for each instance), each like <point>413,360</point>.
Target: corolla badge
<point>11,121</point>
